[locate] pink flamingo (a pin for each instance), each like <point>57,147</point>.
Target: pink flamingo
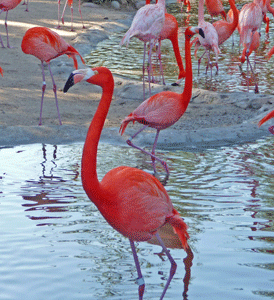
<point>215,8</point>
<point>250,20</point>
<point>162,110</point>
<point>132,201</point>
<point>266,118</point>
<point>170,32</point>
<point>7,5</point>
<point>224,28</point>
<point>147,25</point>
<point>210,40</point>
<point>46,45</point>
<point>70,3</point>
<point>187,3</point>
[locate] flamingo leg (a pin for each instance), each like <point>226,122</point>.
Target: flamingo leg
<point>71,12</point>
<point>80,12</point>
<point>172,268</point>
<point>256,83</point>
<point>6,26</point>
<point>144,59</point>
<point>1,41</point>
<point>150,66</point>
<point>43,92</point>
<point>152,155</point>
<point>62,17</point>
<point>160,62</point>
<point>140,279</point>
<point>199,61</point>
<point>59,4</point>
<point>55,94</point>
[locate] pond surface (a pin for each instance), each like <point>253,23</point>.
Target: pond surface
<point>128,61</point>
<point>54,244</point>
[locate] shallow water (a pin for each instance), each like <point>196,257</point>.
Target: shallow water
<point>128,61</point>
<point>54,244</point>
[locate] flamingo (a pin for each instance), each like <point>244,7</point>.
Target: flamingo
<point>70,3</point>
<point>266,118</point>
<point>131,200</point>
<point>147,25</point>
<point>215,8</point>
<point>7,5</point>
<point>265,6</point>
<point>46,45</point>
<point>170,32</point>
<point>1,71</point>
<point>210,40</point>
<point>187,3</point>
<point>224,28</point>
<point>162,110</point>
<point>250,20</point>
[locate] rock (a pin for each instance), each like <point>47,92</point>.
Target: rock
<point>115,4</point>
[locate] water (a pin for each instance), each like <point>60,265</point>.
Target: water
<point>128,61</point>
<point>54,244</point>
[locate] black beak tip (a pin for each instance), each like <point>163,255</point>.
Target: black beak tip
<point>201,32</point>
<point>69,83</point>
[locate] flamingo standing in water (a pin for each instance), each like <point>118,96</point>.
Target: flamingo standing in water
<point>210,40</point>
<point>7,5</point>
<point>250,21</point>
<point>147,25</point>
<point>170,32</point>
<point>46,45</point>
<point>162,110</point>
<point>215,8</point>
<point>131,200</point>
<point>224,28</point>
<point>70,3</point>
<point>266,118</point>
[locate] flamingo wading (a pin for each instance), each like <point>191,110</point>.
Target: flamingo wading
<point>46,45</point>
<point>131,200</point>
<point>162,110</point>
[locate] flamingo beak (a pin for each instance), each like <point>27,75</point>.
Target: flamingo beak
<point>69,83</point>
<point>201,33</point>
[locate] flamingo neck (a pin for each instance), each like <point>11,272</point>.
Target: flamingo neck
<point>235,14</point>
<point>187,93</point>
<point>201,17</point>
<point>89,176</point>
<point>178,57</point>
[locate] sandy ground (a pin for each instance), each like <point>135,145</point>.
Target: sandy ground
<point>212,119</point>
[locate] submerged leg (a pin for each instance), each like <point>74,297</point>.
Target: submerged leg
<point>152,155</point>
<point>54,90</point>
<point>140,279</point>
<point>43,92</point>
<point>172,268</point>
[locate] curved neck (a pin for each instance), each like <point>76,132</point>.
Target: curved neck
<point>178,57</point>
<point>269,8</point>
<point>187,93</point>
<point>235,13</point>
<point>201,11</point>
<point>88,173</point>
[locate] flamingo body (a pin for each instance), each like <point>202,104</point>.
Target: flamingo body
<point>132,201</point>
<point>7,5</point>
<point>164,109</point>
<point>46,45</point>
<point>215,8</point>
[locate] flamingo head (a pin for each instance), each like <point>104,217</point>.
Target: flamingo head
<point>190,31</point>
<point>98,76</point>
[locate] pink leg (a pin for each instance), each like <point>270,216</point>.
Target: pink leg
<point>199,61</point>
<point>54,90</point>
<point>80,12</point>
<point>71,13</point>
<point>149,66</point>
<point>140,279</point>
<point>256,83</point>
<point>160,62</point>
<point>144,60</point>
<point>1,41</point>
<point>6,25</point>
<point>62,17</point>
<point>172,268</point>
<point>43,92</point>
<point>59,4</point>
<point>152,155</point>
